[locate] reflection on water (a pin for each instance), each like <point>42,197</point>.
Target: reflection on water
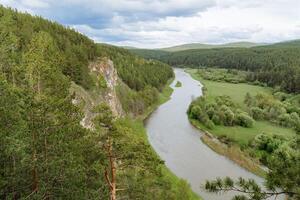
<point>178,142</point>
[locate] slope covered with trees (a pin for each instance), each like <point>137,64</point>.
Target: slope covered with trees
<point>210,46</point>
<point>44,151</point>
<point>275,65</point>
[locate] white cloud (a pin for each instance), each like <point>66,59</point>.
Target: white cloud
<point>34,3</point>
<point>154,23</point>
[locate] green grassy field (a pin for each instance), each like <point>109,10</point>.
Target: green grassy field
<point>237,92</point>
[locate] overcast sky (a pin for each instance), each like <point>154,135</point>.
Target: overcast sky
<point>161,23</point>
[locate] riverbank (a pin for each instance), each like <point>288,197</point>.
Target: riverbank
<point>181,188</point>
<point>163,97</point>
<point>233,141</point>
<point>233,152</point>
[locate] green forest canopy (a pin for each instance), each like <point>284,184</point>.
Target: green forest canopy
<point>44,151</point>
<point>275,65</point>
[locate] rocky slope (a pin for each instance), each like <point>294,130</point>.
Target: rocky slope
<point>88,99</point>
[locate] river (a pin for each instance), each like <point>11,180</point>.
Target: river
<point>178,143</point>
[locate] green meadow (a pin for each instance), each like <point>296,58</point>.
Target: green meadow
<point>237,92</point>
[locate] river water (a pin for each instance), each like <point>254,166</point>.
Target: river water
<point>178,143</point>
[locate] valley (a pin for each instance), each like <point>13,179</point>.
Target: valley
<point>85,115</point>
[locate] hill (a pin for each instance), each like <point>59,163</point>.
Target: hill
<point>211,46</point>
<point>276,65</point>
<point>69,111</point>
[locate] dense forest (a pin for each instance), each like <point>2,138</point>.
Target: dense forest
<point>44,151</point>
<point>275,65</point>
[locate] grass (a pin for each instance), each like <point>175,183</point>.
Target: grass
<point>237,92</point>
<point>176,182</point>
<point>138,134</point>
<point>178,84</point>
<point>240,136</point>
<point>235,154</point>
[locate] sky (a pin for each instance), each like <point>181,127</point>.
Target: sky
<point>163,23</point>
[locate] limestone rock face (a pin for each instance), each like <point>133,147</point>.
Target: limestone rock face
<point>106,68</point>
<point>88,99</point>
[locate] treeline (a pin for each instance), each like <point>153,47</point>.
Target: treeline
<point>74,49</point>
<point>75,52</point>
<point>44,151</point>
<point>222,111</point>
<point>136,72</point>
<point>275,65</point>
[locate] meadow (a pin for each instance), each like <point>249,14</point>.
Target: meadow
<point>237,92</point>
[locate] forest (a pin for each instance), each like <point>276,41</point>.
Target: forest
<point>44,151</point>
<point>276,65</point>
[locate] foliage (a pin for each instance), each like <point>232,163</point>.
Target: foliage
<point>274,65</point>
<point>137,102</point>
<point>101,81</point>
<point>268,107</point>
<point>141,171</point>
<point>136,72</point>
<point>44,151</point>
<point>223,75</point>
<point>243,119</point>
<point>222,111</point>
<point>284,166</point>
<point>73,50</point>
<point>178,84</point>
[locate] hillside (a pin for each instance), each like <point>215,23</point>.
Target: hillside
<point>211,46</point>
<point>275,65</point>
<point>69,110</point>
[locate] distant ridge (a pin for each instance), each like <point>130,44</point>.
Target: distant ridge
<point>212,46</point>
<point>128,47</point>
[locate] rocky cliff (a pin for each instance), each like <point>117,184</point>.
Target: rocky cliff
<point>87,100</point>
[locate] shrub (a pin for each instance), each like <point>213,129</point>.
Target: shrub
<point>257,113</point>
<point>267,143</point>
<point>285,120</point>
<point>224,100</point>
<point>101,81</point>
<point>195,111</point>
<point>210,110</point>
<point>243,119</point>
<point>281,96</point>
<point>275,111</point>
<point>208,123</point>
<point>216,119</point>
<point>249,100</point>
<point>229,117</point>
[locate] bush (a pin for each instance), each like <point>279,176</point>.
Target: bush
<point>285,120</point>
<point>210,110</point>
<point>229,117</point>
<point>101,81</point>
<point>267,143</point>
<point>208,123</point>
<point>281,96</point>
<point>195,111</point>
<point>257,113</point>
<point>216,119</point>
<point>243,119</point>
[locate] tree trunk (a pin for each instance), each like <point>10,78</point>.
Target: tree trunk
<point>111,181</point>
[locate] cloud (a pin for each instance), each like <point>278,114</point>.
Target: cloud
<point>160,23</point>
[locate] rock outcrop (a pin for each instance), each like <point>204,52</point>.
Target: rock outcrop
<point>88,99</point>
